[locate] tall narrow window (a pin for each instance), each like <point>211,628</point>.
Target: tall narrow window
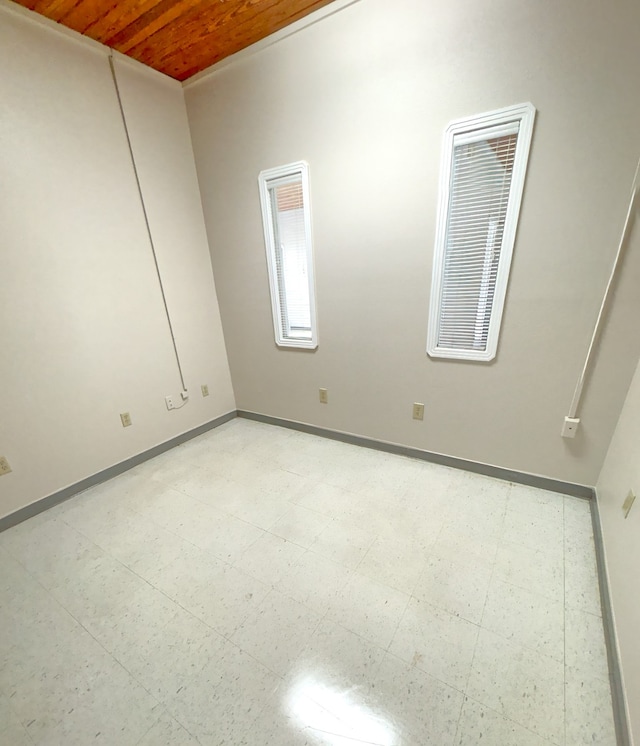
<point>286,217</point>
<point>482,179</point>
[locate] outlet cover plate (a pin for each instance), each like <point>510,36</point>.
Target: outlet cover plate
<point>125,418</point>
<point>570,427</point>
<point>628,503</point>
<point>4,466</point>
<point>418,411</point>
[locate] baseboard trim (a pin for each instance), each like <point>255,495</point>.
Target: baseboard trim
<point>499,472</point>
<point>525,478</point>
<point>623,735</point>
<point>476,467</point>
<point>22,514</point>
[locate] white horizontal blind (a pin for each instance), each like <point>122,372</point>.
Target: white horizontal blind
<point>483,169</point>
<point>480,187</point>
<point>286,218</point>
<point>287,210</point>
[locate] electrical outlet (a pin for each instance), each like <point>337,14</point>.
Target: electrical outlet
<point>418,411</point>
<point>205,389</point>
<point>125,417</point>
<point>4,466</point>
<point>324,396</point>
<point>628,503</point>
<point>169,402</point>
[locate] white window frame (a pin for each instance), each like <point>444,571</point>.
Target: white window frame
<point>291,170</point>
<point>467,130</point>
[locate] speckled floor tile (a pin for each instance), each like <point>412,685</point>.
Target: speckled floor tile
<point>258,586</point>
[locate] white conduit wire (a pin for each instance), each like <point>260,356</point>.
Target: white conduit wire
<point>146,220</point>
<point>575,403</point>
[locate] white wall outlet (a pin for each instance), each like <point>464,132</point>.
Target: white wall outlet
<point>418,411</point>
<point>4,466</point>
<point>125,418</point>
<point>205,389</point>
<point>570,427</point>
<point>324,396</point>
<point>169,401</point>
<point>628,503</point>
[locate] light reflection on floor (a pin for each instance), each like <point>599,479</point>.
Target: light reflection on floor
<point>337,718</point>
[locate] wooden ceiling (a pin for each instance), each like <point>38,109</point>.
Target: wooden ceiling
<point>176,37</point>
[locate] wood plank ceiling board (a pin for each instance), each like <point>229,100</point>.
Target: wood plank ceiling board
<point>177,37</point>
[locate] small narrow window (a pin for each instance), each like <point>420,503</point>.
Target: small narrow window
<point>482,179</point>
<point>286,217</point>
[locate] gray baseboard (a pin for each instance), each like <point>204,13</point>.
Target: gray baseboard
<point>532,480</point>
<point>509,475</point>
<point>112,471</point>
<point>623,736</point>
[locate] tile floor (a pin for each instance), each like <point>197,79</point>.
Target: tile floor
<point>262,586</point>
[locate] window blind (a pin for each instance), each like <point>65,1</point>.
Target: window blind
<point>284,195</point>
<point>484,163</point>
<point>480,188</point>
<point>290,243</point>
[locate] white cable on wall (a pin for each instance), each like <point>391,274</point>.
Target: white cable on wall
<point>571,420</point>
<point>146,221</point>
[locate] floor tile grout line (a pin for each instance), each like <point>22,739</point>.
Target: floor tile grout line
<point>201,502</point>
<point>19,723</point>
<point>117,559</point>
<point>158,590</point>
<point>510,720</point>
<point>233,564</point>
<point>181,537</point>
<point>92,636</point>
<point>199,619</point>
<point>475,647</point>
<point>408,664</point>
<point>397,626</point>
<point>186,540</point>
<point>152,726</point>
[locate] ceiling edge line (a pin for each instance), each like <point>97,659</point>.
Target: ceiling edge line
<point>31,16</point>
<point>310,20</point>
<point>49,25</point>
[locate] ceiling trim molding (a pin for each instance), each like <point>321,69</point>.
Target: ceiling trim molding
<point>49,25</point>
<point>310,20</point>
<point>46,23</point>
<point>30,16</point>
<point>123,59</point>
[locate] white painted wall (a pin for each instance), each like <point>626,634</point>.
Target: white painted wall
<point>82,324</point>
<point>620,473</point>
<point>364,97</point>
